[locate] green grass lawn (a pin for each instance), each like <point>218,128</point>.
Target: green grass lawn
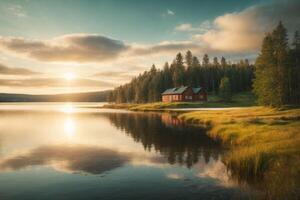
<point>239,100</point>
<point>264,145</point>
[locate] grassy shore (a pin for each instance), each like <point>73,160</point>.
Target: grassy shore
<point>239,100</point>
<point>264,145</point>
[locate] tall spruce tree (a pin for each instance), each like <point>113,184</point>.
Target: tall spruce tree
<point>189,59</point>
<point>223,62</point>
<point>225,89</point>
<point>295,71</point>
<point>271,82</point>
<point>205,60</point>
<point>178,75</point>
<point>265,64</point>
<point>216,62</point>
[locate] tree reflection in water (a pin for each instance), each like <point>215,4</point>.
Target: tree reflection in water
<point>179,143</point>
<point>183,144</point>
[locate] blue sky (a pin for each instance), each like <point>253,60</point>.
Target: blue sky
<point>86,45</point>
<point>130,20</point>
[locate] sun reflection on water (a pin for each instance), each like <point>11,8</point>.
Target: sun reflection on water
<point>68,108</point>
<point>69,127</point>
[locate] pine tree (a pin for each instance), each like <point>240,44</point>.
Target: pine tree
<point>216,62</point>
<point>223,62</point>
<point>178,75</point>
<point>280,42</point>
<point>205,60</point>
<point>189,58</point>
<point>295,69</point>
<point>264,73</point>
<point>225,89</point>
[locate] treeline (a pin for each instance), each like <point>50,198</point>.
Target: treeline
<point>277,74</point>
<point>188,71</point>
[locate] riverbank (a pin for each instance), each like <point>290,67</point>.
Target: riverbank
<point>245,99</point>
<point>264,143</point>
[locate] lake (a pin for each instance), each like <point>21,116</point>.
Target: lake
<point>78,151</point>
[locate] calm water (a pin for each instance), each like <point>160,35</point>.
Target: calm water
<point>76,151</point>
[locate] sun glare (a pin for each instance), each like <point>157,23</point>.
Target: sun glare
<point>69,127</point>
<point>69,76</point>
<point>67,108</point>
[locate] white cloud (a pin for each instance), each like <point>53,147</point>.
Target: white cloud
<point>184,27</point>
<point>17,10</point>
<point>243,31</point>
<point>187,27</point>
<point>170,12</point>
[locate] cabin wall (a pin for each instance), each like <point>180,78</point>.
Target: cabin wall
<point>200,96</point>
<point>186,96</point>
<point>172,98</point>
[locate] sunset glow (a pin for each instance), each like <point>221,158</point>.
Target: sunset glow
<point>40,48</point>
<point>69,76</point>
<point>69,127</point>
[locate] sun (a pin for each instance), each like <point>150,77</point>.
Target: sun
<point>69,76</point>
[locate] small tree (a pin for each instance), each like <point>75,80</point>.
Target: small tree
<point>225,89</point>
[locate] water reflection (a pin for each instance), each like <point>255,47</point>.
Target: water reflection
<point>68,108</point>
<point>69,127</point>
<point>181,145</point>
<point>93,160</point>
<point>145,149</point>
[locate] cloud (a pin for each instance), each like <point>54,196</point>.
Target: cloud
<point>17,10</point>
<point>82,159</point>
<point>170,12</point>
<point>74,48</point>
<point>184,27</point>
<point>54,82</point>
<point>169,47</point>
<point>87,48</point>
<point>243,31</point>
<point>112,74</point>
<point>187,27</point>
<point>5,70</point>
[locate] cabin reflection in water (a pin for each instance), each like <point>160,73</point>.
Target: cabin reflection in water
<point>171,121</point>
<point>158,133</point>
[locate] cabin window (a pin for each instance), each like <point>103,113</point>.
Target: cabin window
<point>188,97</point>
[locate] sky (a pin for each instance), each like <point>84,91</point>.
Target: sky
<point>62,46</point>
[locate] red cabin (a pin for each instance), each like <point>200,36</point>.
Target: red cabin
<point>182,94</point>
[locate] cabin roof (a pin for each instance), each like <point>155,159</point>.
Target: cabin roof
<point>196,90</point>
<point>180,90</point>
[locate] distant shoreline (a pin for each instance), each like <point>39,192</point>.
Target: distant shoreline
<point>97,96</point>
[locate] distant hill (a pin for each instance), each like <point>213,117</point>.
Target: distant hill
<point>99,96</point>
